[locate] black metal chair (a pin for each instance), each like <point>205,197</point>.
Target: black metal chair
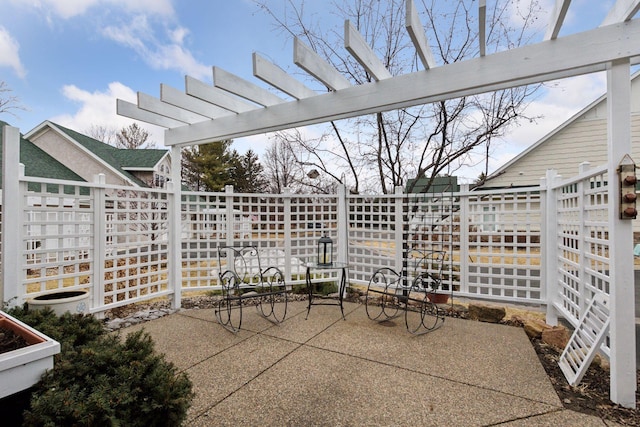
<point>390,293</point>
<point>243,279</point>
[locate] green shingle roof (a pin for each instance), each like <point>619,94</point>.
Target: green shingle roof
<point>38,163</point>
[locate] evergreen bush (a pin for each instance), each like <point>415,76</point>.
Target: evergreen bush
<point>100,380</point>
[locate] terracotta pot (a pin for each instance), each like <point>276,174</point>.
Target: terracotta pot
<point>438,298</point>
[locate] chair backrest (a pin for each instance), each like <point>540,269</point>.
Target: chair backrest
<point>243,261</point>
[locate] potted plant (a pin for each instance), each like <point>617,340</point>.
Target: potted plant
<point>438,297</point>
<point>30,355</point>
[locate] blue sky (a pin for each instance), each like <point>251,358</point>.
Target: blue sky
<point>68,60</point>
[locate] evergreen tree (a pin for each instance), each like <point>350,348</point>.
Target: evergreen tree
<point>206,167</point>
<point>247,174</point>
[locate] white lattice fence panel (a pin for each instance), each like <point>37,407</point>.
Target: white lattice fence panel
<point>504,245</point>
<point>583,242</point>
<point>372,226</point>
<point>57,237</point>
<point>311,217</point>
<point>204,225</point>
<point>569,214</point>
<point>136,263</point>
<point>586,339</point>
<point>433,226</point>
<point>596,235</point>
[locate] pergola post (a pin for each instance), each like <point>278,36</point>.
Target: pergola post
<point>175,227</point>
<point>622,329</point>
<point>549,243</point>
<point>12,171</point>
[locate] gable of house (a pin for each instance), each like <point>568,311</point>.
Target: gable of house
<point>89,157</point>
<point>583,138</point>
<point>39,163</point>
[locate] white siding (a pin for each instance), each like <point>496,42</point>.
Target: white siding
<point>582,140</point>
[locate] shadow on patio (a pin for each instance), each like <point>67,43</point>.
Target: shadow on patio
<point>330,371</point>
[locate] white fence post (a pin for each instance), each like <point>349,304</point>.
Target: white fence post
<point>286,195</point>
<point>622,332</point>
<point>99,242</point>
<point>343,229</point>
<point>174,223</point>
<point>228,200</point>
<point>549,245</point>
<point>582,239</point>
<point>464,238</point>
<point>399,226</point>
<point>12,201</point>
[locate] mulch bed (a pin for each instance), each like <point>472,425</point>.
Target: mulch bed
<point>591,396</point>
<point>10,341</point>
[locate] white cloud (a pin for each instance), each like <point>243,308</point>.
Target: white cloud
<point>69,8</point>
<point>9,53</point>
<point>560,101</point>
<point>99,109</point>
<point>163,55</point>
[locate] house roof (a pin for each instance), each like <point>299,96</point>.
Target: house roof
<point>39,163</point>
<point>550,135</point>
<point>122,161</point>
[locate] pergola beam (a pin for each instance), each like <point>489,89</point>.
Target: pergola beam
<point>568,56</point>
<point>317,67</point>
<point>622,11</point>
<point>482,27</point>
<point>417,35</point>
<point>557,19</point>
<point>127,109</point>
<point>361,52</point>
<point>243,88</point>
<point>173,96</point>
<point>278,78</point>
<point>154,105</point>
<point>216,96</point>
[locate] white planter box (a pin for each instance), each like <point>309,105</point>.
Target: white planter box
<point>22,368</point>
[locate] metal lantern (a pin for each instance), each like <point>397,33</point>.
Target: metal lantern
<point>325,250</point>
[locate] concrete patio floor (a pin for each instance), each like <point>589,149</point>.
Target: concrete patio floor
<point>356,372</point>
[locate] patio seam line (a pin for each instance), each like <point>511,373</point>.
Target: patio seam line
<point>298,346</point>
<point>417,372</point>
<point>207,409</point>
<point>558,410</point>
<point>218,352</point>
<point>435,376</point>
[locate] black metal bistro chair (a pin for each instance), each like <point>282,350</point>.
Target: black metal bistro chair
<point>244,281</point>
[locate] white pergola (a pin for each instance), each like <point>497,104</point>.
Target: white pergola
<point>234,107</point>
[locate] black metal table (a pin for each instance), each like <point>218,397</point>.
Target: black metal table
<point>316,299</point>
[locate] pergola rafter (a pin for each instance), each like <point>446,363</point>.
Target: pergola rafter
<point>234,107</point>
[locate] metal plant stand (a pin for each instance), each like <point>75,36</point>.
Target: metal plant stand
<point>315,299</point>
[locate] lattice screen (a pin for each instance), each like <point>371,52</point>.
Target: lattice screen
<point>57,238</point>
<point>137,229</point>
<point>504,245</point>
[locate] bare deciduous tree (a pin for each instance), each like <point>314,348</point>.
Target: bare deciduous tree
<point>133,136</point>
<point>106,134</point>
<point>421,141</point>
<point>284,167</point>
<point>8,101</point>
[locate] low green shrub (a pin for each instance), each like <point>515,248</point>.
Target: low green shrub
<point>100,380</point>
